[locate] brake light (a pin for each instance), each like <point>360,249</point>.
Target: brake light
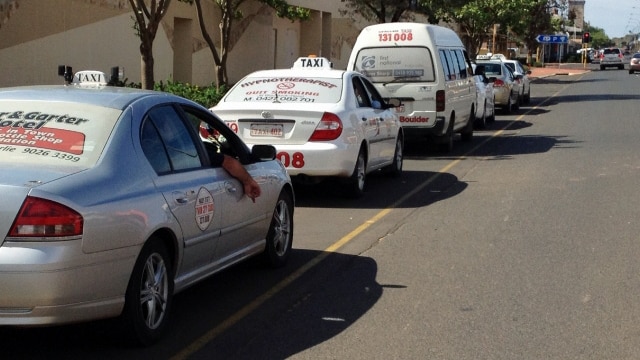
<point>44,218</point>
<point>329,128</point>
<point>498,83</point>
<point>440,100</point>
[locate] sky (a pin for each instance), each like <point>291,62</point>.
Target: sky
<point>616,17</point>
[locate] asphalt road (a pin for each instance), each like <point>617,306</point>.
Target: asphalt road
<point>522,244</point>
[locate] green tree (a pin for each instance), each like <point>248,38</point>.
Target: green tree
<point>381,11</point>
<point>147,20</point>
<point>230,10</point>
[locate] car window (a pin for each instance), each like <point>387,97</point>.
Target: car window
<point>167,142</point>
<point>611,51</point>
<point>636,56</point>
<point>462,63</point>
<point>362,98</point>
<point>511,66</point>
<point>492,69</point>
<point>214,135</point>
<point>42,132</point>
<point>375,95</point>
<point>402,63</point>
<point>286,89</point>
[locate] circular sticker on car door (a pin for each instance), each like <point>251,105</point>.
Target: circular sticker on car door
<point>204,208</point>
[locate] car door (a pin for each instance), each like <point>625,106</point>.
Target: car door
<point>193,191</point>
<point>243,224</point>
<point>388,125</point>
<point>367,120</point>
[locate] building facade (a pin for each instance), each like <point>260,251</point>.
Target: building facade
<point>38,35</point>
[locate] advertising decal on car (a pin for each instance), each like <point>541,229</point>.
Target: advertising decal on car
<point>204,209</point>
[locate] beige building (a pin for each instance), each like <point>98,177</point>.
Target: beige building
<point>38,35</point>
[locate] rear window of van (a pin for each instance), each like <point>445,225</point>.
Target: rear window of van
<point>400,64</point>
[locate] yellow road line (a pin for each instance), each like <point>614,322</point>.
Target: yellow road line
<point>207,337</point>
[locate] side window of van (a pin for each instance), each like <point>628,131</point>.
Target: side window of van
<point>462,66</point>
<point>452,64</point>
<point>445,65</point>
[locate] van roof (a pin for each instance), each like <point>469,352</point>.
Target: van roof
<point>441,35</point>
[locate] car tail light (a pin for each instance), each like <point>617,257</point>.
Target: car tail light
<point>329,128</point>
<point>440,100</point>
<point>44,218</point>
<point>620,55</point>
<point>498,83</point>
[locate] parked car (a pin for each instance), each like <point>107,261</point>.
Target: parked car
<point>611,57</point>
<point>324,123</point>
<point>634,63</point>
<point>523,75</point>
<point>111,204</point>
<point>507,90</point>
<point>485,106</point>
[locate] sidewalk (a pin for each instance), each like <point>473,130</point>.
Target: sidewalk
<point>555,69</point>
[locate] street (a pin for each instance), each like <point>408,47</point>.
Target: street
<point>521,244</point>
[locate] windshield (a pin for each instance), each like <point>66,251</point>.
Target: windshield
<point>389,64</point>
<point>43,133</point>
<point>293,89</point>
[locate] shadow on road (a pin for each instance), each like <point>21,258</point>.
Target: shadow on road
<point>302,315</point>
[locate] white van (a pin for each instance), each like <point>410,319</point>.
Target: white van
<point>425,67</point>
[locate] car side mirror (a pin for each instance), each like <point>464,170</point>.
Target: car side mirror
<point>263,152</point>
<point>393,103</point>
<point>376,104</point>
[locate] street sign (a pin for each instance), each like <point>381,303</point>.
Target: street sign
<point>552,39</point>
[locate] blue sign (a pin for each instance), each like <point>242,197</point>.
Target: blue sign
<point>552,39</point>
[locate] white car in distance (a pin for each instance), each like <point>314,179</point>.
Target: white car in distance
<point>324,123</point>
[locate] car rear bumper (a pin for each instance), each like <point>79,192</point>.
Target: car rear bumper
<point>54,283</point>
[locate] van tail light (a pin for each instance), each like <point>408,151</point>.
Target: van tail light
<point>329,128</point>
<point>440,100</point>
<point>44,218</point>
<point>498,83</point>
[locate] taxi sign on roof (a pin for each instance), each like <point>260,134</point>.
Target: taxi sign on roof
<point>88,77</point>
<point>312,62</point>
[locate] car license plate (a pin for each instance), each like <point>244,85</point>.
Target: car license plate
<point>273,130</point>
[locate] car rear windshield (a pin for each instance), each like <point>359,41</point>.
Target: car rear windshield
<point>59,133</point>
<point>611,51</point>
<point>403,64</point>
<point>286,89</point>
<point>492,69</point>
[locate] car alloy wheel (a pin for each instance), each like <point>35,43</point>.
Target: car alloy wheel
<point>149,294</point>
<point>280,235</point>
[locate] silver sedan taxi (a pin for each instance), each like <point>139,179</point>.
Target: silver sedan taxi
<point>111,204</point>
<point>324,123</point>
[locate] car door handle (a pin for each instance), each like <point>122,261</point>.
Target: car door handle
<point>183,198</point>
<point>230,187</point>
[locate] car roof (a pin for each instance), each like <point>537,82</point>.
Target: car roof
<point>106,96</point>
<point>333,74</point>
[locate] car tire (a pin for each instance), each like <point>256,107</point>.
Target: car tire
<point>508,109</point>
<point>492,117</point>
<point>149,294</point>
<point>601,67</point>
<point>395,168</point>
<point>620,67</point>
<point>527,97</point>
<point>358,179</point>
<point>467,132</point>
<point>445,142</point>
<point>481,122</point>
<point>630,71</point>
<point>280,234</point>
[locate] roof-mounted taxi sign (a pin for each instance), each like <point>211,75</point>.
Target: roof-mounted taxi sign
<point>90,78</point>
<point>313,63</point>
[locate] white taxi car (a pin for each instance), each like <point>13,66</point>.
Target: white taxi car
<point>324,123</point>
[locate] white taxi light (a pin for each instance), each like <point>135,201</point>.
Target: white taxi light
<point>90,78</point>
<point>313,63</point>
